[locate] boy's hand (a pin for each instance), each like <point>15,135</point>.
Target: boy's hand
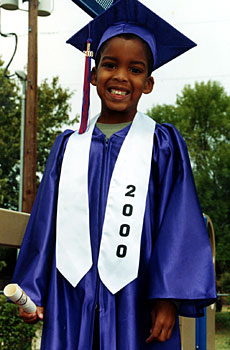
<point>32,317</point>
<point>163,320</point>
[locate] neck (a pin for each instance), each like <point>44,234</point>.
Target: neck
<point>114,117</point>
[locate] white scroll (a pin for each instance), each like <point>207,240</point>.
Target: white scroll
<point>19,297</point>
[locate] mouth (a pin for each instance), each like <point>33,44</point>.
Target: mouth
<point>118,92</point>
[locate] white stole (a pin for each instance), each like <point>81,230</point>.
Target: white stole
<point>121,236</point>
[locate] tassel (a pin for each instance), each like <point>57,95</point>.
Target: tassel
<point>86,89</point>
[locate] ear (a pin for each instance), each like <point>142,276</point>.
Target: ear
<point>149,84</point>
<point>93,77</point>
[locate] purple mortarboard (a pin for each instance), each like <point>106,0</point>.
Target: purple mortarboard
<point>130,16</point>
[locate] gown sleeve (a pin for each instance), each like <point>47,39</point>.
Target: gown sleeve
<point>38,247</point>
<point>181,263</point>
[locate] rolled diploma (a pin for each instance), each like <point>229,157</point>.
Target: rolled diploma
<point>19,297</point>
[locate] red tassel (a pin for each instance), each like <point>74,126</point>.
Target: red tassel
<point>86,90</point>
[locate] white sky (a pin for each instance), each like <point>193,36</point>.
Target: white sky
<point>207,22</point>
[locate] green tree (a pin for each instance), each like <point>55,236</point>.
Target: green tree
<point>9,138</point>
<point>202,115</point>
<point>14,333</point>
<point>53,114</point>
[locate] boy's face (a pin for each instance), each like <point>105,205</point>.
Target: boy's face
<point>121,77</point>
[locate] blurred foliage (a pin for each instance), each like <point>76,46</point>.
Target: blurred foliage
<point>14,333</point>
<point>2,264</point>
<point>53,114</point>
<point>202,115</point>
<point>222,320</point>
<point>225,282</point>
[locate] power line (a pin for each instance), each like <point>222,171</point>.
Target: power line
<point>7,35</point>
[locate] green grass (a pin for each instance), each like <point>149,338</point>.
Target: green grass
<point>222,340</point>
<point>226,308</point>
<point>222,336</point>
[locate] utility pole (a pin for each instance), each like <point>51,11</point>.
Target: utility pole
<point>30,150</point>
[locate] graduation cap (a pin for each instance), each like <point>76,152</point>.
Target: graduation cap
<point>129,16</point>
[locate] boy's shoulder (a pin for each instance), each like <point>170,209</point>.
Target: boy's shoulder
<point>62,137</point>
<point>60,144</point>
<point>167,139</point>
<point>64,134</point>
<point>169,133</point>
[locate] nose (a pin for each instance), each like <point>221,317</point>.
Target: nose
<point>120,74</point>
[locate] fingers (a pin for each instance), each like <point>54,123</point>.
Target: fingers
<point>28,318</point>
<point>163,321</point>
<point>160,332</point>
<point>32,317</point>
<point>40,312</point>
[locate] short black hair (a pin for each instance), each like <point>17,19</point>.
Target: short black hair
<point>129,36</point>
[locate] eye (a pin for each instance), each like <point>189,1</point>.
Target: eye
<point>135,70</point>
<point>109,65</point>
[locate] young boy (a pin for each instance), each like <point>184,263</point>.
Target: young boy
<point>116,246</point>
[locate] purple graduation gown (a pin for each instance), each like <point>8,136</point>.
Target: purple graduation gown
<point>175,259</point>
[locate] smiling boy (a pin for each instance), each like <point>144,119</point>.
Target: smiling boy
<point>116,247</point>
<point>121,77</point>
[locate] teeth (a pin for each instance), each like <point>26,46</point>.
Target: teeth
<point>118,92</point>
